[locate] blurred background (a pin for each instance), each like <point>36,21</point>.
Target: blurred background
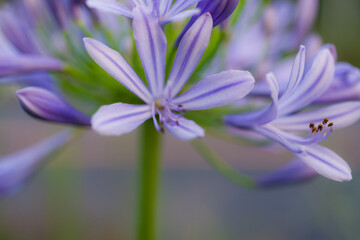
<point>88,190</point>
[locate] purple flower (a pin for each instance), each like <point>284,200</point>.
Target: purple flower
<point>18,167</point>
<point>166,10</point>
<point>162,100</point>
<point>282,119</point>
<point>45,105</point>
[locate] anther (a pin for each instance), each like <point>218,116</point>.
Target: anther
<point>312,125</point>
<point>325,121</point>
<point>320,127</point>
<point>331,124</point>
<point>180,105</point>
<point>314,129</point>
<point>177,123</point>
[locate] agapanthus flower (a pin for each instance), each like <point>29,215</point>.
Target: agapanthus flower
<point>161,99</point>
<point>165,10</point>
<point>281,119</point>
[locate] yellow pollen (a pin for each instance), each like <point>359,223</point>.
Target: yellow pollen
<point>159,105</point>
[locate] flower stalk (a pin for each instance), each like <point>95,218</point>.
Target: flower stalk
<point>149,164</point>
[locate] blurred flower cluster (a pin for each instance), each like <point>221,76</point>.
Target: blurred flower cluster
<point>241,70</point>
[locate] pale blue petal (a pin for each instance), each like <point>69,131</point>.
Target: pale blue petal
<point>326,163</point>
<point>216,90</point>
<point>341,114</point>
<point>181,16</point>
<point>17,168</point>
<point>297,73</point>
<point>45,105</point>
<point>18,64</point>
<point>111,6</point>
<point>260,117</point>
<point>315,82</point>
<point>151,45</point>
<point>179,6</point>
<point>190,51</point>
<point>112,62</point>
<point>185,129</point>
<point>119,118</point>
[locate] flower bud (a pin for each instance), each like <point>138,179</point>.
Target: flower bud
<point>45,105</point>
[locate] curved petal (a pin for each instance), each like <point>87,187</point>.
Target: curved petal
<point>326,163</point>
<point>111,6</point>
<point>293,172</point>
<point>181,16</point>
<point>190,51</point>
<point>112,62</point>
<point>16,168</point>
<point>17,64</point>
<point>341,114</point>
<point>217,90</point>
<point>119,118</point>
<point>151,45</point>
<point>262,116</point>
<point>315,82</point>
<point>45,105</point>
<point>179,6</point>
<point>297,72</point>
<point>185,129</point>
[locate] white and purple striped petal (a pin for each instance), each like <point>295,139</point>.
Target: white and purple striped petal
<point>260,117</point>
<point>326,163</point>
<point>18,64</point>
<point>17,168</point>
<point>151,45</point>
<point>112,62</point>
<point>45,105</point>
<point>120,118</point>
<point>185,129</point>
<point>341,114</point>
<point>111,6</point>
<point>315,82</point>
<point>216,90</point>
<point>190,51</point>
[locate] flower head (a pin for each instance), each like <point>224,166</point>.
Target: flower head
<point>282,118</point>
<point>165,10</point>
<point>161,101</point>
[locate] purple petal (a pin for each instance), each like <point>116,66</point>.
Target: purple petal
<point>179,6</point>
<point>190,51</point>
<point>45,105</point>
<point>181,16</point>
<point>112,62</point>
<point>151,45</point>
<point>111,6</point>
<point>217,90</point>
<point>345,85</point>
<point>326,163</point>
<point>293,172</point>
<point>315,82</point>
<point>262,116</point>
<point>297,72</point>
<point>307,11</point>
<point>119,118</point>
<point>16,168</point>
<point>185,129</point>
<point>18,64</point>
<point>341,114</point>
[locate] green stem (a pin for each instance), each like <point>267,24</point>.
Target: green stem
<point>222,167</point>
<point>149,162</point>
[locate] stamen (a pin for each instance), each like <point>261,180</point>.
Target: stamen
<point>312,125</point>
<point>320,127</point>
<point>331,124</point>
<point>325,121</point>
